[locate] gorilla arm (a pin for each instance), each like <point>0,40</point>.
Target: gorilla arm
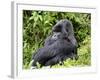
<point>49,41</point>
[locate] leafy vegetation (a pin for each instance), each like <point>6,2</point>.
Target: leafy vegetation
<point>37,26</point>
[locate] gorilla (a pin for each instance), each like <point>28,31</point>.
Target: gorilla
<point>59,46</point>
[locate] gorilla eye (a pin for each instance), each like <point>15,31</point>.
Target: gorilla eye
<point>67,30</point>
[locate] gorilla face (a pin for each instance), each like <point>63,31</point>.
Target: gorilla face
<point>65,27</point>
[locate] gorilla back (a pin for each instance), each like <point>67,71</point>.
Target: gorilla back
<point>53,54</point>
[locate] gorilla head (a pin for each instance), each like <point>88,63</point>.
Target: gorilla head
<point>65,27</point>
<point>59,46</point>
<point>62,29</point>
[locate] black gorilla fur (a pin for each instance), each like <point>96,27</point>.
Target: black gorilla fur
<point>59,46</point>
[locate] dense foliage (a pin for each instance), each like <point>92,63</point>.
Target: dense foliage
<point>37,26</point>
